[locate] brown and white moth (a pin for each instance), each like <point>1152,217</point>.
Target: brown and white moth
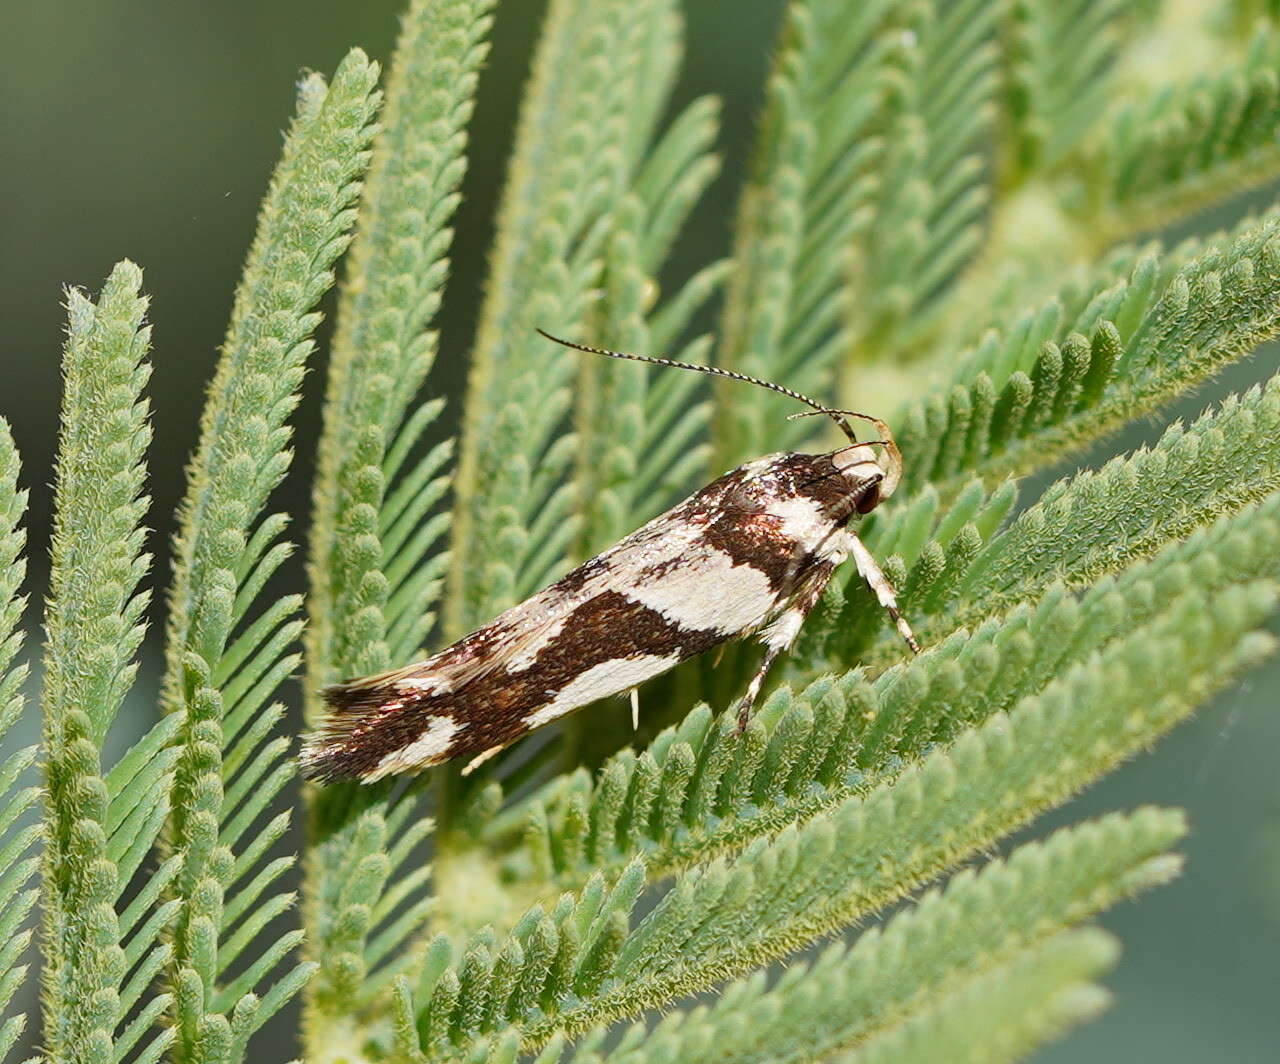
<point>748,554</point>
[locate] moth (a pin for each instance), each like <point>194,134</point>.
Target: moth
<point>749,554</point>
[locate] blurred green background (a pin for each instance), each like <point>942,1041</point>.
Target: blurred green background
<point>148,129</point>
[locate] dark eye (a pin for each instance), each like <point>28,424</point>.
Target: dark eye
<point>870,498</point>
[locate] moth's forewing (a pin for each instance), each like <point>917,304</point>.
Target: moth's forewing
<point>718,566</point>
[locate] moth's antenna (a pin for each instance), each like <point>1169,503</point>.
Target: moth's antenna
<point>836,415</point>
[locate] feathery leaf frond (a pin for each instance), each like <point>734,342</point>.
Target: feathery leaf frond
<point>932,183</point>
<point>1082,528</point>
<point>1227,458</point>
<point>99,957</point>
<point>1006,1013</point>
<point>1193,143</point>
<point>1049,386</point>
<point>569,172</point>
<point>373,575</point>
<point>926,957</point>
<point>635,428</point>
<point>16,838</point>
<point>809,197</point>
<point>1058,57</point>
<point>224,663</point>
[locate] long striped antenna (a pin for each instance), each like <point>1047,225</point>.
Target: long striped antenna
<point>838,416</point>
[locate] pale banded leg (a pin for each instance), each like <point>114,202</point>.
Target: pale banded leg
<point>481,758</point>
<point>782,632</point>
<point>881,588</point>
<point>635,709</point>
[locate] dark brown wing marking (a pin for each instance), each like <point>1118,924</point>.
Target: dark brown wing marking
<point>490,709</point>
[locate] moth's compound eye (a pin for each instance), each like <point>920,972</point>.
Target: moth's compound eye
<point>870,498</point>
<point>863,475</point>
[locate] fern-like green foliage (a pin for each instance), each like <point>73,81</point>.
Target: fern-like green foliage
<point>1185,145</point>
<point>376,563</point>
<point>817,147</point>
<point>949,207</point>
<point>601,74</point>
<point>873,991</point>
<point>102,954</point>
<point>1052,382</point>
<point>227,655</point>
<point>1059,60</point>
<point>17,865</point>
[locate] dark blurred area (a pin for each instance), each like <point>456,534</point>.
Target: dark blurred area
<point>147,130</point>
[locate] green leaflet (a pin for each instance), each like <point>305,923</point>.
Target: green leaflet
<point>636,426</point>
<point>101,955</point>
<point>808,198</point>
<point>982,926</point>
<point>1058,60</point>
<point>1052,385</point>
<point>1006,1014</point>
<point>376,564</point>
<point>226,653</point>
<point>1177,150</point>
<point>16,866</point>
<point>588,105</point>
<point>932,184</point>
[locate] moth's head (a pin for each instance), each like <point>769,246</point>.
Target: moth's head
<point>871,469</point>
<point>864,476</point>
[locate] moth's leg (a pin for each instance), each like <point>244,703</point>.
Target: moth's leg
<point>782,632</point>
<point>481,758</point>
<point>635,709</point>
<point>753,688</point>
<point>881,588</point>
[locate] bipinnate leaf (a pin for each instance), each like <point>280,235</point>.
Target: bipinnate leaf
<point>226,653</point>
<point>983,934</point>
<point>376,565</point>
<point>101,955</point>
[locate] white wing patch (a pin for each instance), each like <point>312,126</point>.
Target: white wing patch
<point>601,681</point>
<point>428,685</point>
<point>426,749</point>
<point>709,592</point>
<point>802,520</point>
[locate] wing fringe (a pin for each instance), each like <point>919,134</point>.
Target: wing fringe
<point>337,749</point>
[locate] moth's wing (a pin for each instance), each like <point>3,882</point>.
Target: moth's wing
<point>371,717</point>
<point>505,638</point>
<point>655,598</point>
<point>443,696</point>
